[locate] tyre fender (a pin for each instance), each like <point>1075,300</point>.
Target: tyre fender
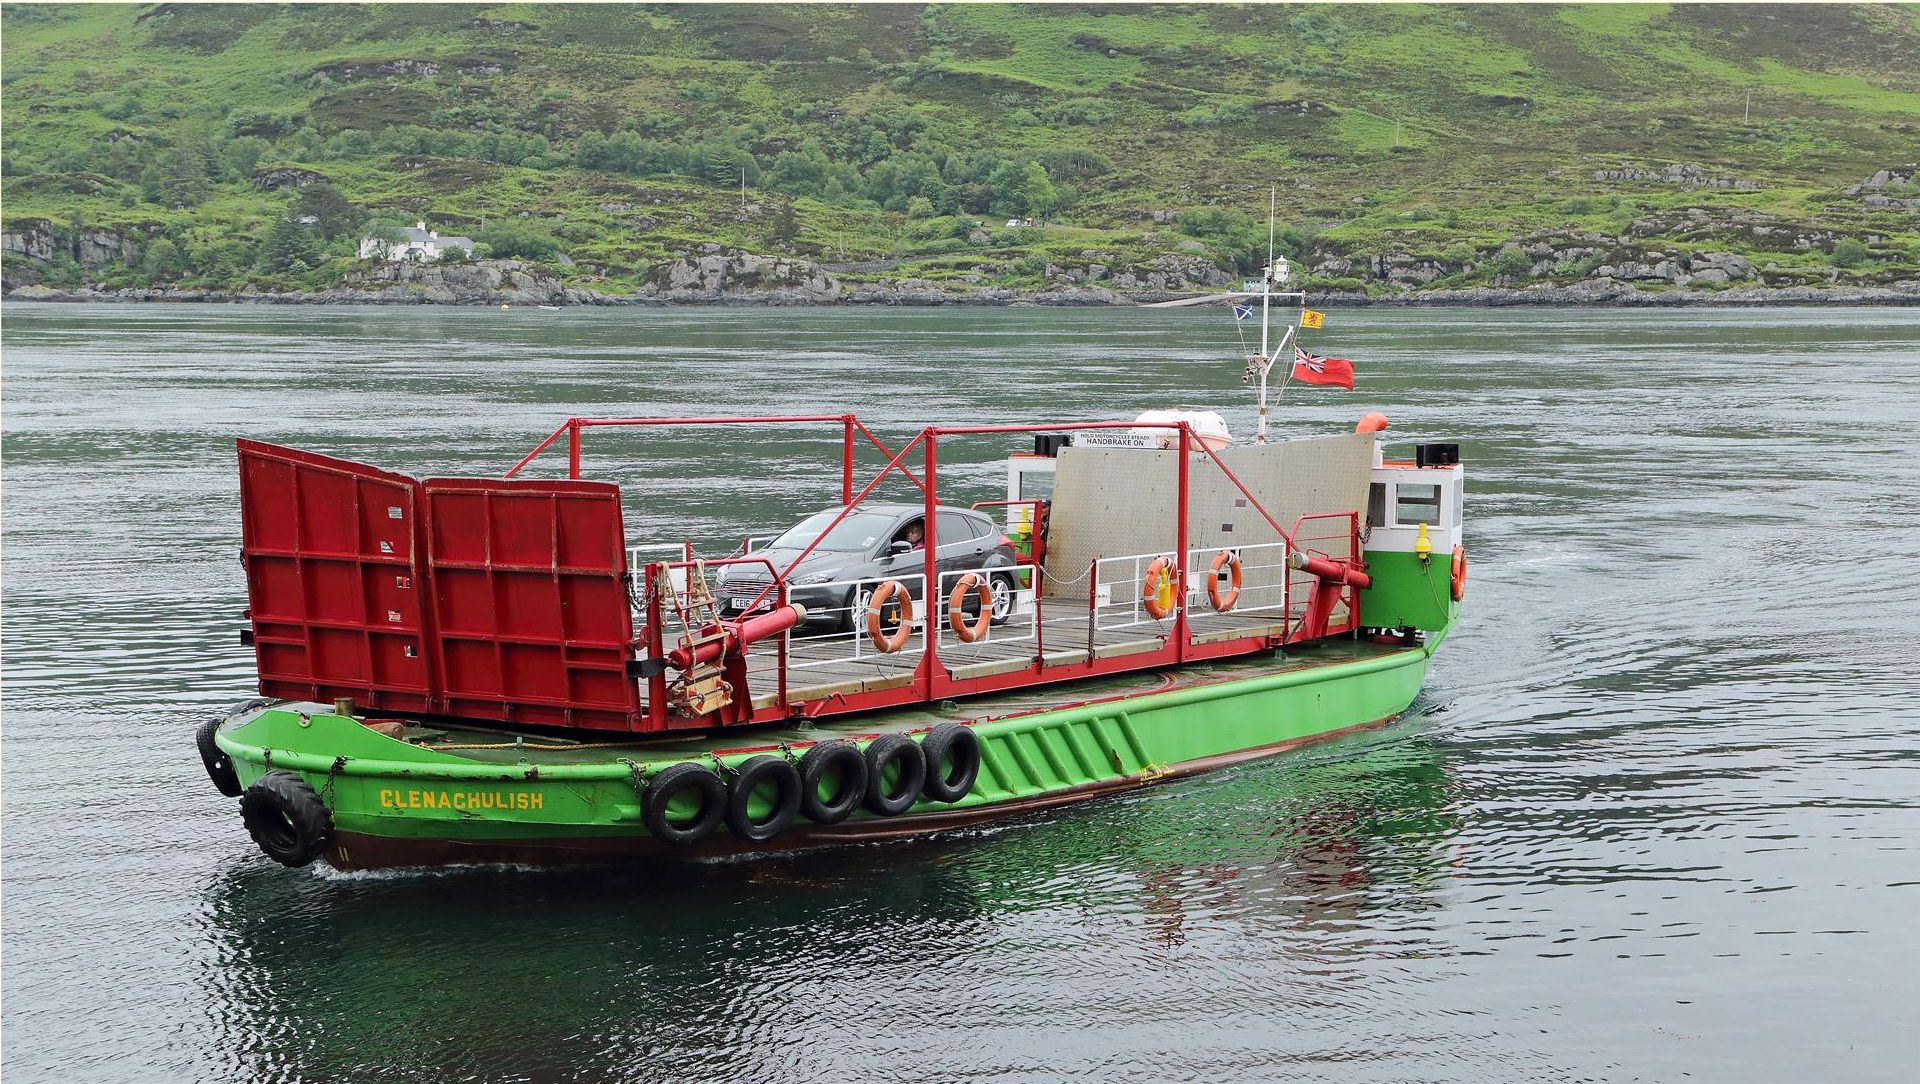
<point>952,753</point>
<point>219,766</point>
<point>671,783</point>
<point>832,762</point>
<point>903,754</point>
<point>286,818</point>
<point>753,775</point>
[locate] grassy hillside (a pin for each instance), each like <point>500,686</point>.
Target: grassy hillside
<point>1413,145</point>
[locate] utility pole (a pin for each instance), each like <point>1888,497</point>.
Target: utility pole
<point>743,190</point>
<point>1746,114</point>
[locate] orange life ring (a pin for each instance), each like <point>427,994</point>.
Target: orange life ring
<point>1459,573</point>
<point>970,584</point>
<point>877,604</point>
<point>1223,600</point>
<point>1156,588</point>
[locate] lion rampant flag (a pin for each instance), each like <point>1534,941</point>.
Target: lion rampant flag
<point>1326,372</point>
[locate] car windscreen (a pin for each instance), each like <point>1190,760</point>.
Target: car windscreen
<point>858,533</point>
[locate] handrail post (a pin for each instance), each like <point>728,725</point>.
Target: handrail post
<point>846,460</point>
<point>1039,626</point>
<point>1180,626</point>
<point>1093,603</point>
<point>573,448</point>
<point>931,581</point>
<point>656,650</point>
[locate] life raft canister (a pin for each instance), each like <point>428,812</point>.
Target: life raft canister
<point>286,818</point>
<point>1156,588</point>
<point>975,585</point>
<point>1229,562</point>
<point>1459,577</point>
<point>883,596</point>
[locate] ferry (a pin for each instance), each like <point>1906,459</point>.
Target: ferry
<point>489,670</point>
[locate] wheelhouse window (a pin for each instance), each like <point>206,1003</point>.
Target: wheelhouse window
<point>1416,504</point>
<point>1036,485</point>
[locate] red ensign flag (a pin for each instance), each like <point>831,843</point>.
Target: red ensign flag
<point>1327,372</point>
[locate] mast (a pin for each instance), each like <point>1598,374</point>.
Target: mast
<point>1266,302</point>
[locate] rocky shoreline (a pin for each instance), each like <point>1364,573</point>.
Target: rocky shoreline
<point>714,276</point>
<point>1586,294</point>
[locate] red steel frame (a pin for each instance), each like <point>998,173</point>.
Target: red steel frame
<point>931,681</point>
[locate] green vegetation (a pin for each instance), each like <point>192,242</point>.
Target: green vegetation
<point>228,146</point>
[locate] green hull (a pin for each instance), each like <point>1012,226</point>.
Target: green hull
<point>395,802</point>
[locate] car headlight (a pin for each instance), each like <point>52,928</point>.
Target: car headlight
<point>813,577</point>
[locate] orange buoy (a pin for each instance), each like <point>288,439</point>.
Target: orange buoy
<point>1371,423</point>
<point>1226,561</point>
<point>1459,573</point>
<point>883,596</point>
<point>970,631</point>
<point>1156,588</point>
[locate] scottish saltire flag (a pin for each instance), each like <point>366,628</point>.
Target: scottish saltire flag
<point>1242,312</point>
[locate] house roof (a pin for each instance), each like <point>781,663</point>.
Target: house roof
<point>417,236</point>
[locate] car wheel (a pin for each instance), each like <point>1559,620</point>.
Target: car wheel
<point>1002,588</point>
<point>857,599</point>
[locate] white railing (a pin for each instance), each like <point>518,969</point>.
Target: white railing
<point>1021,623</point>
<point>638,559</point>
<point>1263,578</point>
<point>855,644</point>
<point>1120,595</point>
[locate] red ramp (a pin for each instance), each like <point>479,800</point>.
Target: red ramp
<point>479,598</point>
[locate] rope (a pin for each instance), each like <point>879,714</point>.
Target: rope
<point>532,745</point>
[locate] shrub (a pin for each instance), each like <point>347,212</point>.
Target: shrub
<point>1848,252</point>
<point>1510,263</point>
<point>518,240</point>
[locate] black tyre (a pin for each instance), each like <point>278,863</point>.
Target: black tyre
<point>684,804</point>
<point>855,618</point>
<point>286,818</point>
<point>896,770</point>
<point>952,753</point>
<point>763,799</point>
<point>833,782</point>
<point>219,766</point>
<point>1003,598</point>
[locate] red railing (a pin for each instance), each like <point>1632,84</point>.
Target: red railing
<point>930,679</point>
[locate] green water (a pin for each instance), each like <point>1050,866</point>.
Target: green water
<point>1654,818</point>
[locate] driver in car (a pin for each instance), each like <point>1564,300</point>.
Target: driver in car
<point>916,535</point>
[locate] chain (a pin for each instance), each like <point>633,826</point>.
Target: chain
<point>326,790</point>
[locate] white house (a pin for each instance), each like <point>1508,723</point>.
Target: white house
<point>418,243</point>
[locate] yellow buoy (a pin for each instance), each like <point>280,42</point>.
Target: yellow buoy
<point>503,306</point>
<point>1422,548</point>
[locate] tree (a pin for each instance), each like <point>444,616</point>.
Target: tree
<point>241,156</point>
<point>290,247</point>
<point>162,260</point>
<point>518,240</point>
<point>1849,252</point>
<point>1037,192</point>
<point>337,215</point>
<point>181,177</point>
<point>390,232</point>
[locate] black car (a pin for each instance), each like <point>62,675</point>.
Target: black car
<point>874,543</point>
